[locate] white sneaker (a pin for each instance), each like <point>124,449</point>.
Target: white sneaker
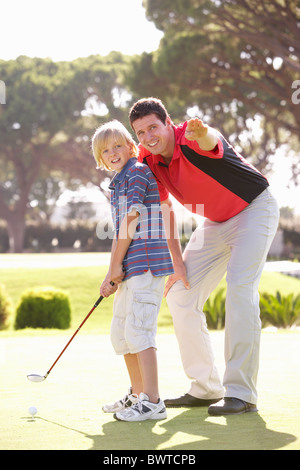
<point>143,409</point>
<point>126,401</point>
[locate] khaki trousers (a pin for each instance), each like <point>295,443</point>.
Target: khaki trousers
<point>240,247</point>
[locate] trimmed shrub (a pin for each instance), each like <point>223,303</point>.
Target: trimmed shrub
<point>6,308</point>
<point>43,307</point>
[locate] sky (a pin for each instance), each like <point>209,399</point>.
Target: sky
<point>68,29</point>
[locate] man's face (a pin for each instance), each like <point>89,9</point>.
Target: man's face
<point>154,135</point>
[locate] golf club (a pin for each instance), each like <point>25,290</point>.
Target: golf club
<point>41,378</point>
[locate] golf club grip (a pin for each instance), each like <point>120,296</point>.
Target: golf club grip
<point>101,296</point>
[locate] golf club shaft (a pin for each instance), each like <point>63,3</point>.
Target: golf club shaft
<point>71,339</point>
<point>82,323</point>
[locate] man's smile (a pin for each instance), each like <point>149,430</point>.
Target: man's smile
<point>153,144</point>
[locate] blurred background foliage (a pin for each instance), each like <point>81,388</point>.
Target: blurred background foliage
<point>231,63</point>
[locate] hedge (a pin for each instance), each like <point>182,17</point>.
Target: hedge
<point>6,308</point>
<point>43,307</point>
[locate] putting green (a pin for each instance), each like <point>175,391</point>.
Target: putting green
<point>89,374</point>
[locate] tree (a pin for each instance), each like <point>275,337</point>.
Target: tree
<point>46,126</point>
<point>234,60</point>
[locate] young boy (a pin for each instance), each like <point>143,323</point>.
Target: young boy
<point>140,260</point>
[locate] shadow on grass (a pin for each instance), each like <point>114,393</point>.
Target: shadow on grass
<point>192,429</point>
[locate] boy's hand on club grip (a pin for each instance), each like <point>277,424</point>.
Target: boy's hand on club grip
<point>117,273</point>
<point>108,288</point>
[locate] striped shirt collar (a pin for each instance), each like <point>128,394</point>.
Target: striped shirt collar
<point>119,177</point>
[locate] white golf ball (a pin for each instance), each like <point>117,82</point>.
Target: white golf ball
<point>32,410</point>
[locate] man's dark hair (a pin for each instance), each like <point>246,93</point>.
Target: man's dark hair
<point>147,106</point>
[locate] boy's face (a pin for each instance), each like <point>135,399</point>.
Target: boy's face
<point>116,154</point>
<point>154,135</point>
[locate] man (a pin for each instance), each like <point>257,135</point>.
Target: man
<point>195,164</point>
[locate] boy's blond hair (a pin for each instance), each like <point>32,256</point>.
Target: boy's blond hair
<point>112,130</point>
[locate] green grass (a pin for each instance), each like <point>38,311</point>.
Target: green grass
<point>90,374</point>
<point>82,285</point>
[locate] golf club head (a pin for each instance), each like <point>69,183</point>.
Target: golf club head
<point>36,377</point>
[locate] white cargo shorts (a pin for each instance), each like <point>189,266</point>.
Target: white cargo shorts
<point>135,310</point>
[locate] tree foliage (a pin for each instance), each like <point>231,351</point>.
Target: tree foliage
<point>234,60</point>
<point>51,111</point>
<point>231,62</point>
